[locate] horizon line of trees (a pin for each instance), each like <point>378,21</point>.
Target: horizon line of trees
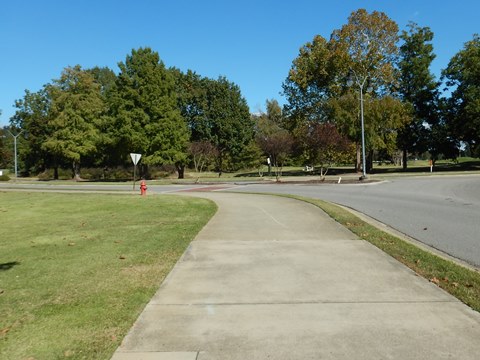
<point>95,117</point>
<point>405,108</point>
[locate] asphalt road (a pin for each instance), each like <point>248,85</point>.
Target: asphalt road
<point>441,211</point>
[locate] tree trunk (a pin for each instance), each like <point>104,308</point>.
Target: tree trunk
<point>180,170</point>
<point>144,171</point>
<point>76,171</point>
<point>405,153</point>
<point>278,171</point>
<point>220,163</point>
<point>369,162</point>
<point>358,165</point>
<point>55,172</point>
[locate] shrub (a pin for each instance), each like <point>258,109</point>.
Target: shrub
<point>119,173</point>
<point>159,172</point>
<point>63,174</point>
<point>92,173</point>
<point>4,177</point>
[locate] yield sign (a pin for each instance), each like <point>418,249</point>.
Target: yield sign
<point>135,158</point>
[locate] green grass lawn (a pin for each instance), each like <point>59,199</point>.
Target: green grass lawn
<point>463,165</point>
<point>415,167</point>
<point>76,270</point>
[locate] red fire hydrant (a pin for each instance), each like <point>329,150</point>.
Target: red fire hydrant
<point>143,188</point>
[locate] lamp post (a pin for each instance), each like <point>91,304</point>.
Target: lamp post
<point>361,84</point>
<point>15,149</point>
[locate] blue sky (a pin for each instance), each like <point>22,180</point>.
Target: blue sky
<point>252,43</point>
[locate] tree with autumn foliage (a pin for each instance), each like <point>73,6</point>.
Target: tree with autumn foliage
<point>326,146</point>
<point>275,141</point>
<point>317,87</point>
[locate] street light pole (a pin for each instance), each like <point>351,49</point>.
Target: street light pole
<point>15,149</point>
<point>364,168</point>
<point>361,84</point>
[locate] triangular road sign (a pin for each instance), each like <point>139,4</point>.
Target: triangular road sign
<point>135,158</point>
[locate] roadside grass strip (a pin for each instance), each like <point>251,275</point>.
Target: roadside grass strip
<point>76,270</point>
<point>459,281</point>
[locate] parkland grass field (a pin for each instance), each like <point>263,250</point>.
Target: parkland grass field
<point>76,270</point>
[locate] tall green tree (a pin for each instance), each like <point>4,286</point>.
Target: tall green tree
<point>311,81</point>
<point>33,116</point>
<point>275,112</point>
<point>191,91</point>
<point>5,153</point>
<point>417,87</point>
<point>367,45</point>
<point>270,121</point>
<point>363,50</point>
<point>105,77</point>
<point>107,154</point>
<point>227,123</point>
<point>217,113</point>
<point>75,109</point>
<point>145,117</point>
<point>367,49</point>
<point>272,138</point>
<point>386,117</point>
<point>463,107</point>
<point>442,141</point>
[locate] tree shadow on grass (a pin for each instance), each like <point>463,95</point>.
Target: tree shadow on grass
<point>8,266</point>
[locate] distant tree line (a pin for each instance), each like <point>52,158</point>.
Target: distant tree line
<point>405,108</point>
<point>96,117</point>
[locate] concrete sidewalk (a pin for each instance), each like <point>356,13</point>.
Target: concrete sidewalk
<point>276,278</point>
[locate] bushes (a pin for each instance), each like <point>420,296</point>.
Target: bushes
<point>161,172</point>
<point>63,174</point>
<point>4,177</point>
<point>94,174</point>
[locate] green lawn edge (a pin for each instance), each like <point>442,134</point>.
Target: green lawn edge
<point>78,269</point>
<point>457,280</point>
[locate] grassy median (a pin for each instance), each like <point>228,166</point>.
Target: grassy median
<point>461,282</point>
<point>77,269</point>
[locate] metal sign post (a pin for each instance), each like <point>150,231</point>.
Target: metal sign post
<point>135,159</point>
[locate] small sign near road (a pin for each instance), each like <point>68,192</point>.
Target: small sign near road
<point>135,159</point>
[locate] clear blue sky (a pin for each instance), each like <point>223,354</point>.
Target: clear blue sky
<point>251,42</point>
